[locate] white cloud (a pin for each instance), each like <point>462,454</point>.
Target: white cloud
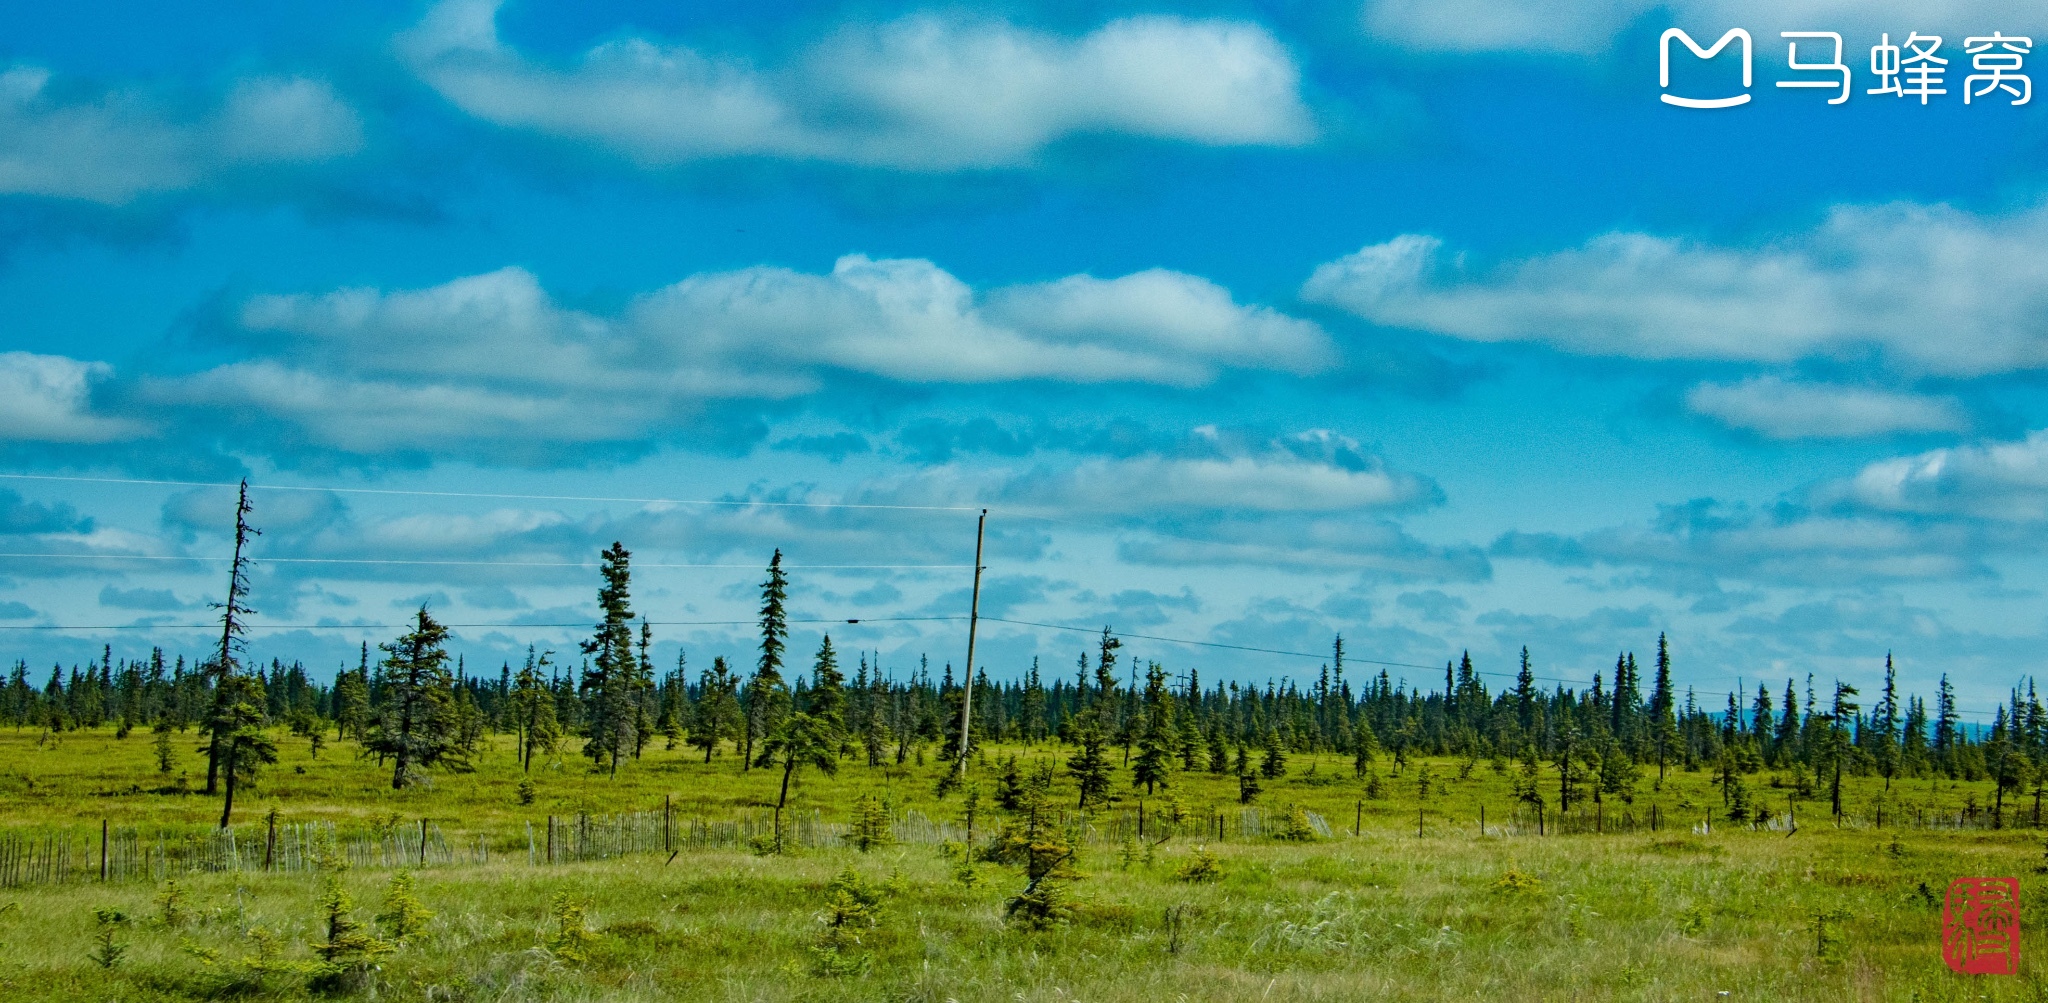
<point>1590,26</point>
<point>1927,289</point>
<point>1696,544</point>
<point>1783,409</point>
<point>48,398</point>
<point>127,144</point>
<point>1269,484</point>
<point>2006,481</point>
<point>491,361</point>
<point>907,319</point>
<point>924,93</point>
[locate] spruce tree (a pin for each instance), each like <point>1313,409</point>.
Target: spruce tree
<point>799,740</point>
<point>1090,765</point>
<point>237,724</point>
<point>1885,724</point>
<point>533,710</point>
<point>1274,765</point>
<point>718,708</point>
<point>1664,728</point>
<point>611,681</point>
<point>416,727</point>
<point>767,696</point>
<point>827,697</point>
<point>1155,740</point>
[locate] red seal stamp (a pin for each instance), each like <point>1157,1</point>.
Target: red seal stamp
<point>1980,926</point>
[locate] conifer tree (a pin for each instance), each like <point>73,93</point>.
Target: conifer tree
<point>237,725</point>
<point>1031,718</point>
<point>349,949</point>
<point>416,727</point>
<point>352,700</point>
<point>828,690</point>
<point>1089,764</point>
<point>1884,722</point>
<point>1154,742</point>
<point>767,696</point>
<point>799,740</point>
<point>1664,728</point>
<point>1274,765</point>
<point>533,710</point>
<point>718,708</point>
<point>611,681</point>
<point>1032,840</point>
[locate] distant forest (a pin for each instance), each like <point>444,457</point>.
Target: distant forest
<point>408,702</point>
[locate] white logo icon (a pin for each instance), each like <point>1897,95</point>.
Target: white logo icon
<point>1664,67</point>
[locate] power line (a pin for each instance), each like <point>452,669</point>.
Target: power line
<point>637,565</point>
<point>407,625</point>
<point>503,496</point>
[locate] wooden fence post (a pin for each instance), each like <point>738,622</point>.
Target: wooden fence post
<point>1358,820</point>
<point>423,842</point>
<point>103,850</point>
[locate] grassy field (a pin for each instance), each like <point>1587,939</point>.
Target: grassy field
<point>1825,913</point>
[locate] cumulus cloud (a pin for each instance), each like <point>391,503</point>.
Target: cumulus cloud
<point>48,398</point>
<point>1783,409</point>
<point>490,363</point>
<point>1273,480</point>
<point>1590,26</point>
<point>1693,545</point>
<point>1926,289</point>
<point>923,93</point>
<point>2003,481</point>
<point>128,143</point>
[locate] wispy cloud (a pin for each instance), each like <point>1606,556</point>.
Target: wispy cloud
<point>929,93</point>
<point>1870,280</point>
<point>128,143</point>
<point>490,365</point>
<point>1785,409</point>
<point>48,398</point>
<point>2002,481</point>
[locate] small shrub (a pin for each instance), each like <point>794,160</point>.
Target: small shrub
<point>1201,866</point>
<point>1829,942</point>
<point>573,940</point>
<point>170,904</point>
<point>852,903</point>
<point>525,790</point>
<point>871,826</point>
<point>404,914</point>
<point>1518,882</point>
<point>108,949</point>
<point>349,949</point>
<point>1692,922</point>
<point>1298,828</point>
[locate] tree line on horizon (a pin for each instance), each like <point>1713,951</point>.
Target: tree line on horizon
<point>415,711</point>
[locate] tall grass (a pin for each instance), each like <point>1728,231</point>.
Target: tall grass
<point>1449,914</point>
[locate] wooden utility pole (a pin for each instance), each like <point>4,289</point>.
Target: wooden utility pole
<point>973,620</point>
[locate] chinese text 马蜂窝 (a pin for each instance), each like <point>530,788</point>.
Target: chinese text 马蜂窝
<point>1914,67</point>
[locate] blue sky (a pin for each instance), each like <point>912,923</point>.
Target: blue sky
<point>1425,323</point>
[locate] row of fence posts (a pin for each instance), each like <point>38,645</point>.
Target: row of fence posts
<point>51,859</point>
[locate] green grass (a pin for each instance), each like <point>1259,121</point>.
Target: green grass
<point>1388,915</point>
